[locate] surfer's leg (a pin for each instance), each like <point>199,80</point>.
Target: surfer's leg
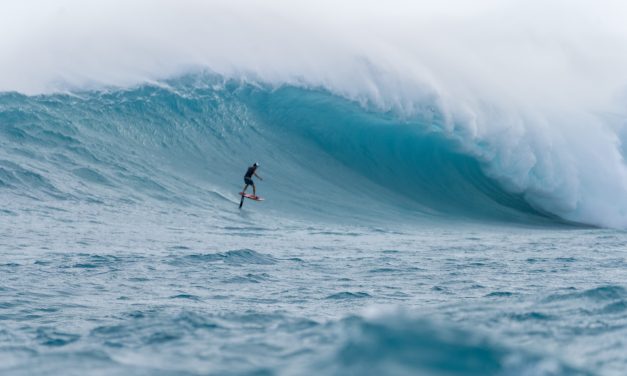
<point>254,191</point>
<point>245,188</point>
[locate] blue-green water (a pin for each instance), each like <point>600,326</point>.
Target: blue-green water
<point>383,246</point>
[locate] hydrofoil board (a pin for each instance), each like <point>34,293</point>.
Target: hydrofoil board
<point>252,197</point>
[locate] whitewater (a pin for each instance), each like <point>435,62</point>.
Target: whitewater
<point>445,188</point>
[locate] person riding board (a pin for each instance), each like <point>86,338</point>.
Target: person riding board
<point>248,178</point>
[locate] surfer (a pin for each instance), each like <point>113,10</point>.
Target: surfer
<point>248,178</point>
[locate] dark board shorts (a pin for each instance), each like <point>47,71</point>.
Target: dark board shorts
<point>249,181</point>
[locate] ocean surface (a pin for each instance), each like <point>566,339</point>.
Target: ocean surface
<point>383,246</point>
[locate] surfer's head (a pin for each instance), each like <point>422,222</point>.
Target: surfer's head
<point>256,164</point>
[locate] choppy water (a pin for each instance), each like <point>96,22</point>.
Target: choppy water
<point>379,249</point>
<point>170,293</point>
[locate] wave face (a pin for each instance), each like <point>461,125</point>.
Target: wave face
<point>188,142</point>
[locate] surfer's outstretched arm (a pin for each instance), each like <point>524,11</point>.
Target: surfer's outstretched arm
<point>260,178</point>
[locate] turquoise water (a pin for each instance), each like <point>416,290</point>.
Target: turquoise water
<point>383,246</point>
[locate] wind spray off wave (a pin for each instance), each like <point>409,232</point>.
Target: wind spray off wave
<point>532,91</point>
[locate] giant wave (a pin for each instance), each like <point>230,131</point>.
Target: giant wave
<point>491,109</point>
<point>186,141</point>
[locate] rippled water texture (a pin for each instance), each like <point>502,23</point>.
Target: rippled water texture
<point>176,295</point>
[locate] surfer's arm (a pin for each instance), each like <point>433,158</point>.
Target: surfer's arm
<point>260,178</point>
